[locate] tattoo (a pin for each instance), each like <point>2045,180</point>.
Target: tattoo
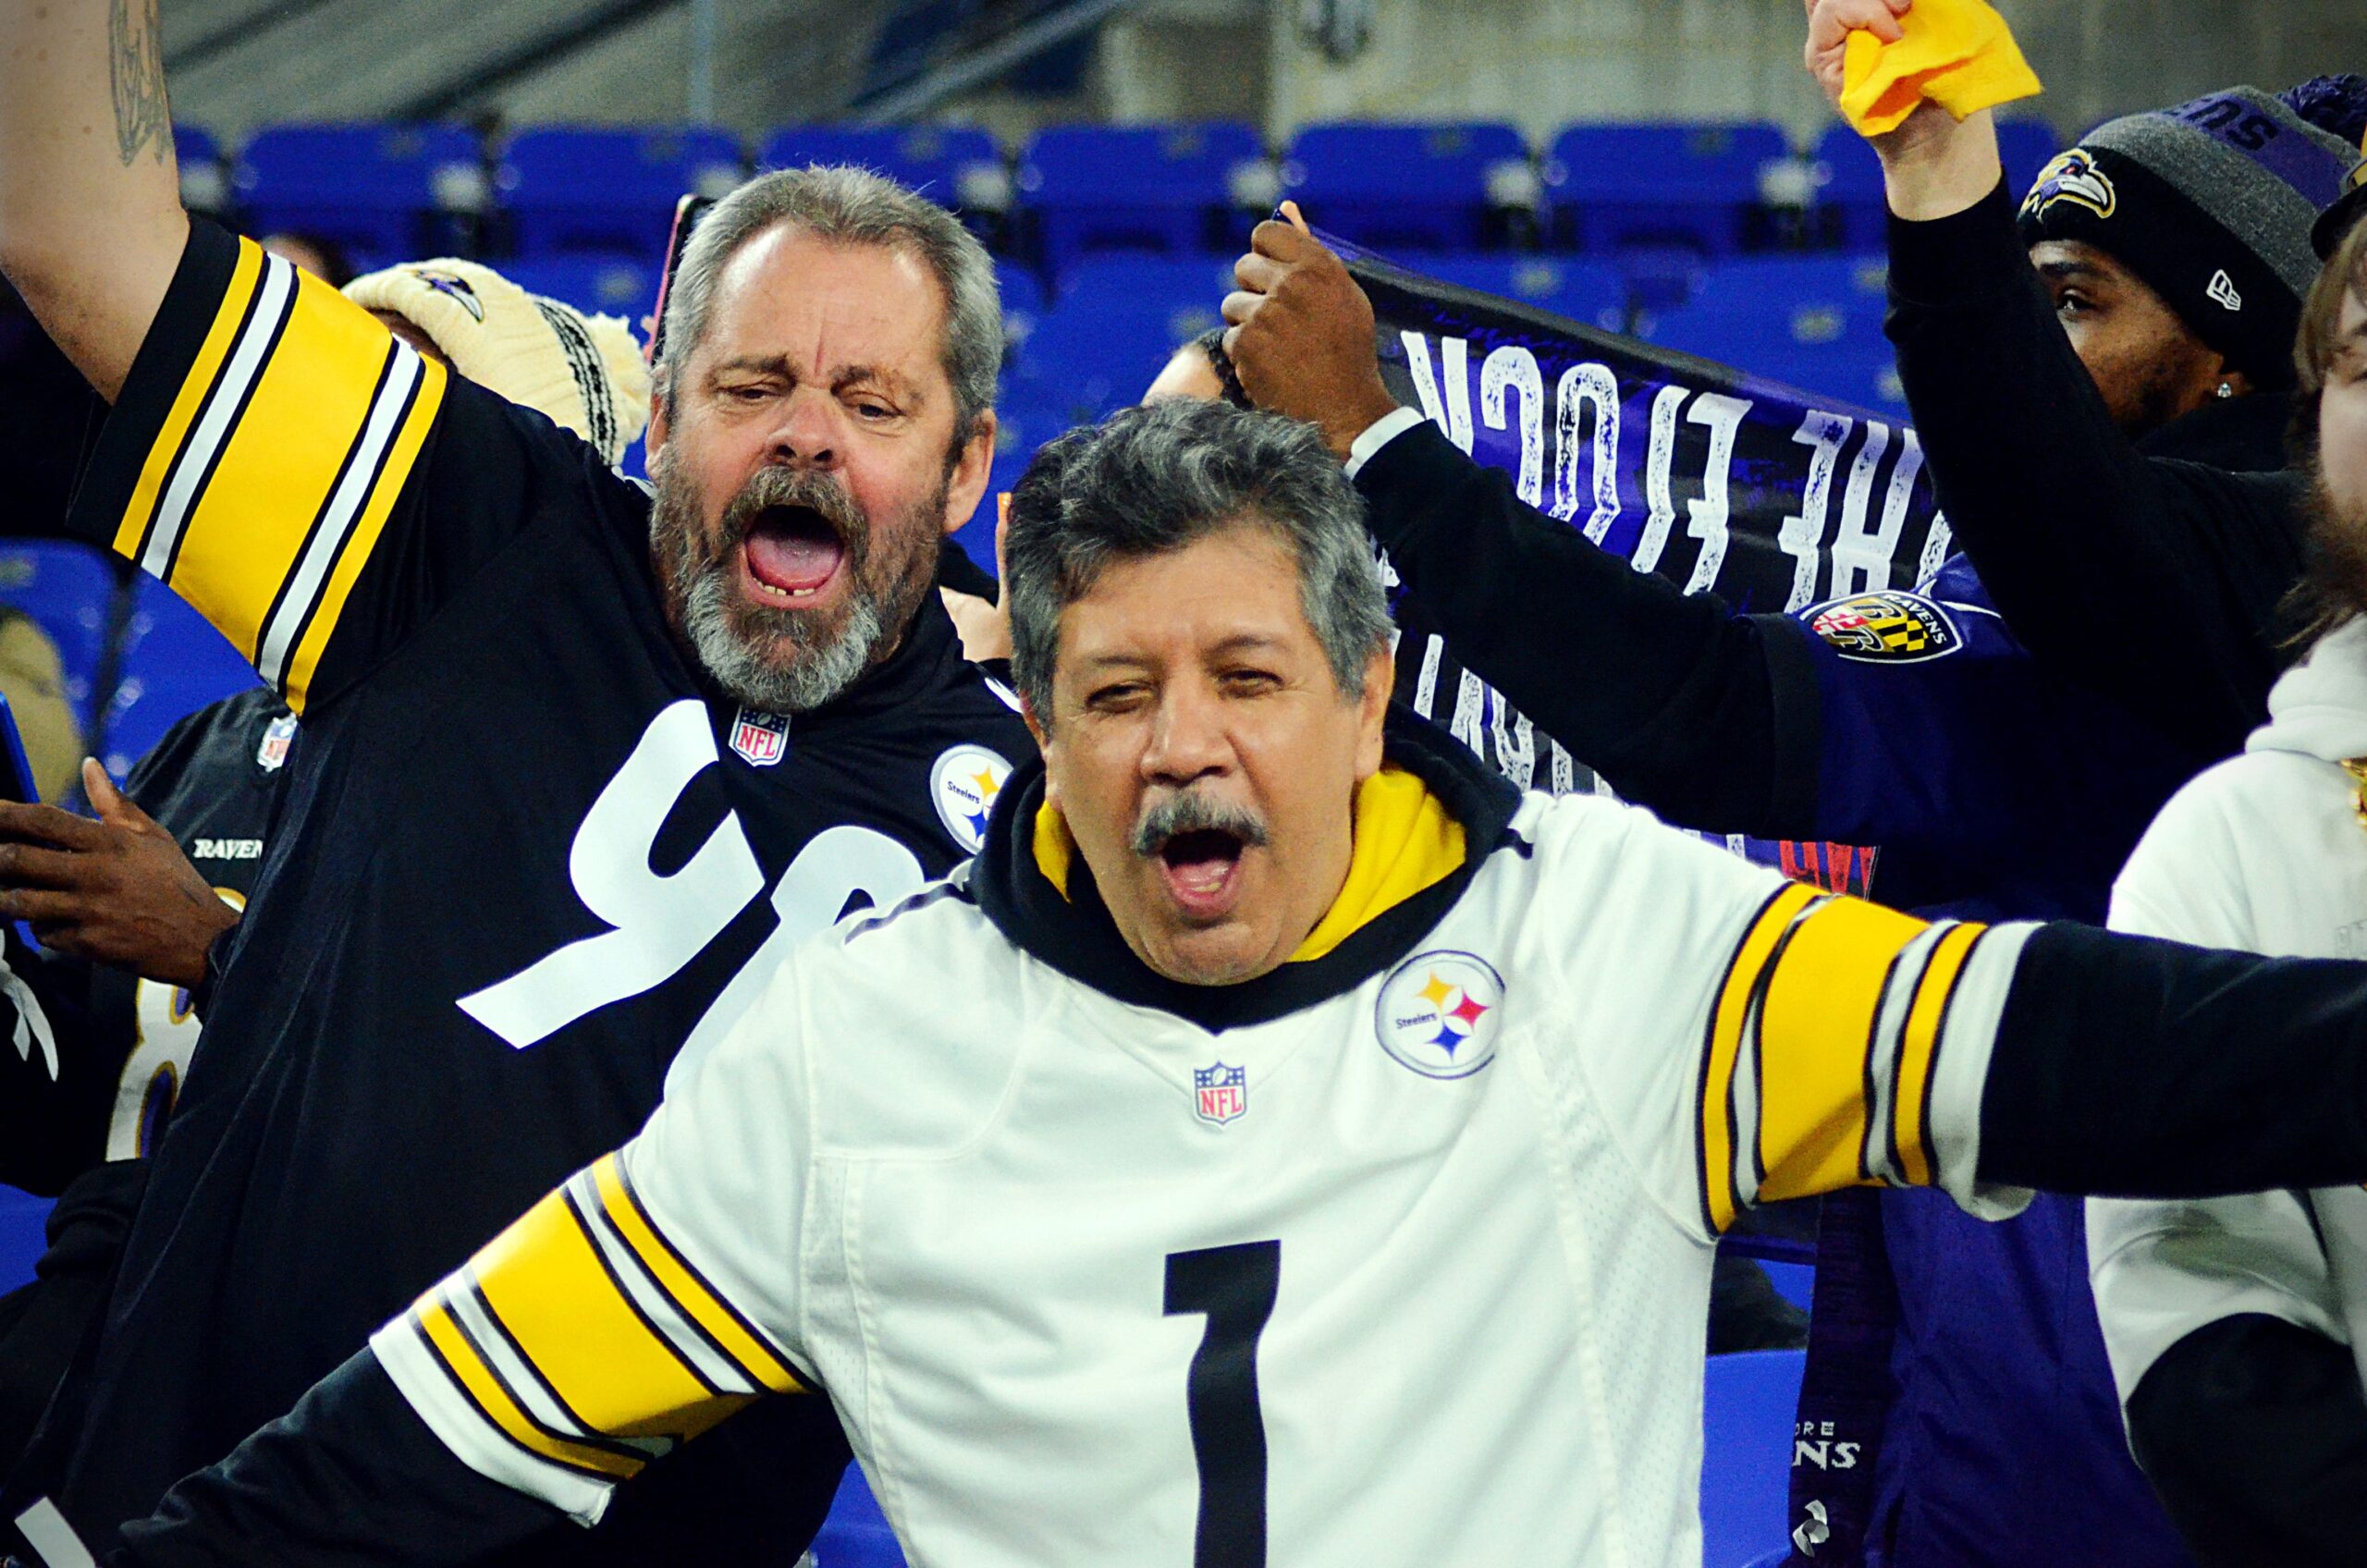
<point>136,62</point>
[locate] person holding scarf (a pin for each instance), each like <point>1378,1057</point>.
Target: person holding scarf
<point>2000,774</point>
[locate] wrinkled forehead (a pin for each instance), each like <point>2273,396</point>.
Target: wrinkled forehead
<point>1233,589</point>
<point>827,306</point>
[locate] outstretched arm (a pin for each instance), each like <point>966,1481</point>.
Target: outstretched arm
<point>90,219</point>
<point>625,1313</point>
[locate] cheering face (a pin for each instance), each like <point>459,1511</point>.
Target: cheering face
<point>1204,755</point>
<point>805,470</point>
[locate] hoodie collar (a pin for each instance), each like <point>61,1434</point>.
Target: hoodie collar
<point>2319,708</point>
<point>1373,924</point>
<point>2242,434</point>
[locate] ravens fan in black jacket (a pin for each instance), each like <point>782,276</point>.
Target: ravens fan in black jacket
<point>103,1050</point>
<point>577,763</point>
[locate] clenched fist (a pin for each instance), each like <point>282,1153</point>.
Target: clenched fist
<point>1302,335</point>
<point>1933,165</point>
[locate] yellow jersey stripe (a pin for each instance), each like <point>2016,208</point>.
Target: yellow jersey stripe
<point>502,1412</point>
<point>1910,1098</point>
<point>1817,1028</point>
<point>1722,1046</point>
<point>231,319</point>
<point>699,1302</point>
<point>548,1291</point>
<point>279,467</point>
<point>400,454</point>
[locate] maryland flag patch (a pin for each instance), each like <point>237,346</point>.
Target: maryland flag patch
<point>1886,628</point>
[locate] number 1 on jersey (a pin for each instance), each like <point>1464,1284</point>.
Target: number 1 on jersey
<point>1234,1288</point>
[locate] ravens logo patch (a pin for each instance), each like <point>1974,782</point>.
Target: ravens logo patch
<point>1886,628</point>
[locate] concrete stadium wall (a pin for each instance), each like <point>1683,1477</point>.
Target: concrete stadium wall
<point>1543,63</point>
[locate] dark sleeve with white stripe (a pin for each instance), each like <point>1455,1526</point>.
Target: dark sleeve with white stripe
<point>374,491</point>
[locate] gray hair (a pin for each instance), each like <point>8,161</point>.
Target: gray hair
<point>1153,479</point>
<point>849,206</point>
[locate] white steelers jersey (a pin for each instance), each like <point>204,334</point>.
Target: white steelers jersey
<point>1414,1275</point>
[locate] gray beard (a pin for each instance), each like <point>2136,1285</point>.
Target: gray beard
<point>789,665</point>
<point>818,673</point>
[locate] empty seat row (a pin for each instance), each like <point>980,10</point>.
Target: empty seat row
<point>394,189</point>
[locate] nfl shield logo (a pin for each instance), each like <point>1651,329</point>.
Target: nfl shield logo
<point>274,750</point>
<point>761,738</point>
<point>1219,1092</point>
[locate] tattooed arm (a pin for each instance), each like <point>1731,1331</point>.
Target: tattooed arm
<point>91,220</point>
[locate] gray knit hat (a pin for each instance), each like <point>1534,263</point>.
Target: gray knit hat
<point>2211,204</point>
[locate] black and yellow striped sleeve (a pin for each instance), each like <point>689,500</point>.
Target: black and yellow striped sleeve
<point>577,1346</point>
<point>1839,1053</point>
<point>270,441</point>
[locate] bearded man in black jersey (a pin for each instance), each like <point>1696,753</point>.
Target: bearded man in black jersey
<point>577,766</point>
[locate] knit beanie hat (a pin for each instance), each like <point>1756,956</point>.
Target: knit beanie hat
<point>586,373</point>
<point>2211,204</point>
<point>2339,105</point>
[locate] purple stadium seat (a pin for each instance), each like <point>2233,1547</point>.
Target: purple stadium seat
<point>609,188</point>
<point>955,166</point>
<point>373,187</point>
<point>1615,186</point>
<point>1408,187</point>
<point>1165,189</point>
<point>1748,1403</point>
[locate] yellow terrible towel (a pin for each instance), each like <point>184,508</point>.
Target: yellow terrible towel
<point>1958,54</point>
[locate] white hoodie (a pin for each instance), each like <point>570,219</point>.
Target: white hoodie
<point>2266,852</point>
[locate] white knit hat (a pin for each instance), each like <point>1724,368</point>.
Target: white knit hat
<point>586,373</point>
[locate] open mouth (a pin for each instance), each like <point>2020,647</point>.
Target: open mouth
<point>1202,867</point>
<point>792,553</point>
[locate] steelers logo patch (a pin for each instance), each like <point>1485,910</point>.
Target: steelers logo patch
<point>1437,1013</point>
<point>1886,628</point>
<point>963,784</point>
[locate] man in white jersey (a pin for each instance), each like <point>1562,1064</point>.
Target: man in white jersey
<point>2237,1327</point>
<point>1283,1142</point>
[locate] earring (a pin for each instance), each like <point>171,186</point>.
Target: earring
<point>2225,391</point>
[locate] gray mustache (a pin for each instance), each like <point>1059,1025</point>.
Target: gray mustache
<point>1195,813</point>
<point>778,486</point>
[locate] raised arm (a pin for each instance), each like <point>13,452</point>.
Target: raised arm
<point>90,219</point>
<point>2149,579</point>
<point>1727,722</point>
<point>1640,682</point>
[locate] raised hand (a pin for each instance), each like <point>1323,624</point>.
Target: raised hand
<point>1302,335</point>
<point>1932,164</point>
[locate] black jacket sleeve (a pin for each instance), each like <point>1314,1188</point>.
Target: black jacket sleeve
<point>351,1476</point>
<point>1708,718</point>
<point>2129,1067</point>
<point>61,1061</point>
<point>2254,1432</point>
<point>2152,581</point>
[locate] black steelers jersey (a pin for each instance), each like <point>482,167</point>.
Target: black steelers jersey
<point>529,862</point>
<point>102,1052</point>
